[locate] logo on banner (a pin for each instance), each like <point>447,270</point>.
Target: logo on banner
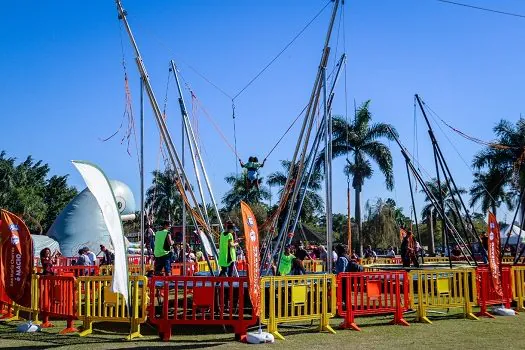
<point>249,220</point>
<point>14,227</point>
<point>14,239</point>
<point>253,236</point>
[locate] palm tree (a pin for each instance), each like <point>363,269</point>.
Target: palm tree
<point>240,192</point>
<point>490,190</point>
<point>507,152</point>
<point>313,202</point>
<point>163,199</point>
<point>359,140</point>
<point>430,211</point>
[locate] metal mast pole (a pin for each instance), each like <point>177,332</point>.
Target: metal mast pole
<point>183,150</point>
<point>142,270</point>
<point>194,149</point>
<point>328,185</point>
<point>306,127</point>
<point>414,208</point>
<point>172,152</point>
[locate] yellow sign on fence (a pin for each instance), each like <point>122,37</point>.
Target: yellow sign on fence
<point>298,298</point>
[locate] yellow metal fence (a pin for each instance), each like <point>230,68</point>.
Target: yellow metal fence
<point>297,298</point>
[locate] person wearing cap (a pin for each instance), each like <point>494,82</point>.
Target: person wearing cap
<point>227,254</point>
<point>163,243</point>
<point>92,257</point>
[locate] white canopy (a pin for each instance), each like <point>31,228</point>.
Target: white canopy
<point>514,233</point>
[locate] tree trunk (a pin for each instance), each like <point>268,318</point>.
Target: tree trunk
<point>358,219</point>
<point>431,226</point>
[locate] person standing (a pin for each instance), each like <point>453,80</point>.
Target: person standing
<point>390,253</point>
<point>92,257</point>
<point>163,243</point>
<point>408,250</point>
<point>285,266</point>
<point>109,256</point>
<point>227,255</point>
<point>47,261</point>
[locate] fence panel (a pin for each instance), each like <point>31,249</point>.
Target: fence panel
<point>75,271</point>
<point>372,293</point>
<point>6,305</point>
<point>518,286</point>
<point>58,299</point>
<point>443,289</point>
<point>97,303</point>
<point>487,293</point>
<point>204,301</point>
<point>297,298</point>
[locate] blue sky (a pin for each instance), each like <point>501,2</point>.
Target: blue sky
<point>62,88</point>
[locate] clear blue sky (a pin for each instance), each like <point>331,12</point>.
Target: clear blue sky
<point>62,80</point>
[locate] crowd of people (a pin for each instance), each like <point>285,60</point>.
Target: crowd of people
<point>85,257</point>
<point>165,250</point>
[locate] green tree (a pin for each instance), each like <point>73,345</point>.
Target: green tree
<point>430,210</point>
<point>490,191</point>
<point>380,226</point>
<point>360,140</point>
<point>26,191</point>
<point>313,202</point>
<point>163,199</point>
<point>239,191</point>
<point>505,155</point>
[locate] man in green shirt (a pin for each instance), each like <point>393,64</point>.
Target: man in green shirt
<point>286,262</point>
<point>227,254</point>
<point>163,243</point>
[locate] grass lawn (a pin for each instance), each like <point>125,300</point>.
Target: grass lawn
<point>445,333</point>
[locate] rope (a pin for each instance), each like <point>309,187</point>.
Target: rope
<point>235,138</point>
<point>434,115</point>
<point>281,52</point>
<point>216,127</point>
<point>483,9</point>
<point>286,132</point>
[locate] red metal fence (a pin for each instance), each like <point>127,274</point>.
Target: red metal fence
<point>57,299</point>
<point>487,293</point>
<point>203,301</point>
<point>372,293</point>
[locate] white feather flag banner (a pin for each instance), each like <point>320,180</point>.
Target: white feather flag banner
<point>98,184</point>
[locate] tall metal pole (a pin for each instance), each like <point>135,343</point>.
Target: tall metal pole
<point>194,149</point>
<point>432,243</point>
<point>442,205</point>
<point>414,208</point>
<point>306,127</point>
<point>328,173</point>
<point>183,150</point>
<point>166,137</point>
<point>446,170</point>
<point>142,270</point>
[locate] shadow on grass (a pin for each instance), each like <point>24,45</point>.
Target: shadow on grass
<point>49,338</point>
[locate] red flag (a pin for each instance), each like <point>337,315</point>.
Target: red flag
<point>494,252</point>
<point>251,234</point>
<point>16,263</point>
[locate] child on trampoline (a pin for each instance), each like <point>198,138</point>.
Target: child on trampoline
<point>252,174</point>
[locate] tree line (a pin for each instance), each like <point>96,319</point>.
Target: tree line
<point>27,189</point>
